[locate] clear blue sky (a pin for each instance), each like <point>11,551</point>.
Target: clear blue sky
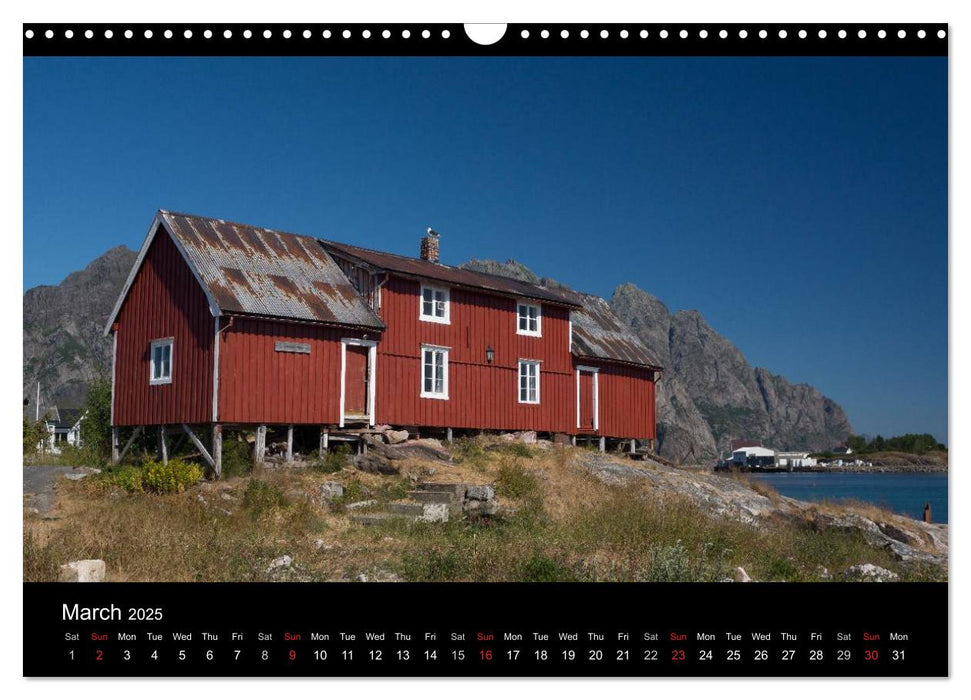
<point>799,203</point>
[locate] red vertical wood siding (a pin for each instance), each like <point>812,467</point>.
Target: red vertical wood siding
<point>480,395</point>
<point>164,300</point>
<point>257,384</point>
<point>356,378</point>
<point>626,401</point>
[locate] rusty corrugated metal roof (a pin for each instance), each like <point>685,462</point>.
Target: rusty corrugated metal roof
<point>600,335</point>
<point>416,267</point>
<point>263,272</point>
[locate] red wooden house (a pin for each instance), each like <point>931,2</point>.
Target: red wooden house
<point>222,324</point>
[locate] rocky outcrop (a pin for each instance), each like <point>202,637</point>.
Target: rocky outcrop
<point>64,346</point>
<point>907,540</point>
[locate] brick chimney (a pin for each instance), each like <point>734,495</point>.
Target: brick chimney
<point>429,246</point>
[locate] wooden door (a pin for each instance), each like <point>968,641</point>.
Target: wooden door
<point>586,400</point>
<point>356,380</point>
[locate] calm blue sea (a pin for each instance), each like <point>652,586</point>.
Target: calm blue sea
<point>902,493</point>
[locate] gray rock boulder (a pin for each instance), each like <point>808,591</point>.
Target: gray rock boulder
<point>395,437</point>
<point>83,571</point>
<point>331,490</point>
<point>869,572</point>
<point>480,493</point>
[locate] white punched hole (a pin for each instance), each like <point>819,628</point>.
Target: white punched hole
<point>487,34</point>
<point>386,34</point>
<point>187,33</point>
<point>783,33</point>
<point>742,34</point>
<point>624,34</point>
<point>901,34</point>
<point>564,34</point>
<point>822,33</point>
<point>405,34</point>
<point>941,34</point>
<point>49,34</point>
<point>346,34</point>
<point>29,34</point>
<point>366,34</point>
<point>664,34</point>
<point>683,33</point>
<point>148,33</point>
<point>584,34</point>
<point>861,33</point>
<point>425,34</point>
<point>168,34</point>
<point>247,34</point>
<point>228,34</point>
<point>267,34</point>
<point>921,34</point>
<point>109,33</point>
<point>524,34</point>
<point>882,34</point>
<point>723,34</point>
<point>703,33</point>
<point>803,33</point>
<point>446,34</point>
<point>763,34</point>
<point>643,34</point>
<point>545,34</point>
<point>89,34</point>
<point>69,34</point>
<point>129,34</point>
<point>326,34</point>
<point>287,34</point>
<point>207,34</point>
<point>604,33</point>
<point>307,34</point>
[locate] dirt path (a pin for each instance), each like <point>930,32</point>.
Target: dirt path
<point>39,481</point>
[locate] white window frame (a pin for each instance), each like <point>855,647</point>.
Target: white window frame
<point>446,294</point>
<point>161,343</point>
<point>538,333</point>
<point>443,395</point>
<point>519,380</point>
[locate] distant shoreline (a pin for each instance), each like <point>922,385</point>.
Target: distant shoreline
<point>850,469</point>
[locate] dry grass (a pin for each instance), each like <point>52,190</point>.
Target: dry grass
<point>568,526</point>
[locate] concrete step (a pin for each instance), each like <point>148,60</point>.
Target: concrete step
<point>447,497</point>
<point>406,509</point>
<point>367,519</point>
<point>458,490</point>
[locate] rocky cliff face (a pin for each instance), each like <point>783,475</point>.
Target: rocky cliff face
<point>63,325</point>
<point>709,393</point>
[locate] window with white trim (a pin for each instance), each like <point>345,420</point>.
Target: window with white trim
<point>434,372</point>
<point>529,319</point>
<point>434,304</point>
<point>160,364</point>
<point>528,381</point>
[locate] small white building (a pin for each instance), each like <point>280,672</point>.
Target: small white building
<point>794,459</point>
<point>63,429</point>
<point>762,456</point>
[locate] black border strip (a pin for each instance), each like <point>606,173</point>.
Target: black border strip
<point>369,39</point>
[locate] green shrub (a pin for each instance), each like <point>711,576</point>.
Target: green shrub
<point>34,433</point>
<point>332,462</point>
<point>261,497</point>
<point>237,458</point>
<point>174,477</point>
<point>540,569</point>
<point>128,478</point>
<point>514,481</point>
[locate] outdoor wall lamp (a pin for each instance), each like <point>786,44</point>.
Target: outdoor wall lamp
<point>490,354</point>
